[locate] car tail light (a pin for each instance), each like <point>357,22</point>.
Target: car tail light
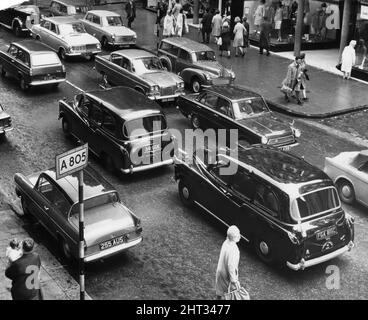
<point>63,68</point>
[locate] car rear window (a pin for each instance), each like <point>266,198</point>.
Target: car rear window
<point>315,202</point>
<point>144,126</point>
<point>97,201</point>
<point>44,59</point>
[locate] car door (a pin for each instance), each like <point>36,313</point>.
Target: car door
<point>117,74</point>
<point>87,22</point>
<point>43,31</point>
<point>95,122</point>
<point>23,64</point>
<point>360,181</point>
<point>53,37</point>
<point>94,26</point>
<point>171,52</point>
<point>80,121</point>
<point>210,110</point>
<point>10,64</point>
<point>184,60</point>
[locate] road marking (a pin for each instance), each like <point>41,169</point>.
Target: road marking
<point>74,86</point>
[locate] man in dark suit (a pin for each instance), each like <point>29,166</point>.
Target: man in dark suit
<point>264,37</point>
<point>25,274</point>
<point>206,26</point>
<point>130,10</point>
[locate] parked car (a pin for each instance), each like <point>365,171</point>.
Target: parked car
<point>76,8</point>
<point>142,71</point>
<point>20,18</point>
<point>194,62</point>
<point>110,227</point>
<point>5,122</point>
<point>286,208</point>
<point>67,37</point>
<point>349,171</point>
<point>33,64</point>
<point>234,107</point>
<point>108,27</point>
<point>127,131</point>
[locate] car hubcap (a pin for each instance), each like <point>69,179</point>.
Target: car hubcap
<point>185,192</point>
<point>66,250</point>
<point>346,191</point>
<point>263,247</point>
<point>196,86</point>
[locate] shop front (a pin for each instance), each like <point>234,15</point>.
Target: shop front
<point>321,22</point>
<point>360,70</point>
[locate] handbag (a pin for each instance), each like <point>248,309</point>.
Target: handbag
<point>286,89</point>
<point>237,294</point>
<point>338,66</point>
<point>219,41</point>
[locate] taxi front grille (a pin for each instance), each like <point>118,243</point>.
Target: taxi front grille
<point>280,141</point>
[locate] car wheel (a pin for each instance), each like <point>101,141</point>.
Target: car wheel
<point>17,30</point>
<point>185,193</point>
<point>195,122</point>
<point>2,71</point>
<point>24,207</point>
<point>66,127</point>
<point>62,54</point>
<point>264,250</point>
<point>23,84</point>
<point>104,43</point>
<point>166,63</point>
<point>108,163</point>
<point>195,85</point>
<point>65,249</point>
<point>346,191</point>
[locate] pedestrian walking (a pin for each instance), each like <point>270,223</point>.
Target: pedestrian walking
<point>161,12</point>
<point>130,11</point>
<point>239,31</point>
<point>181,26</point>
<point>259,14</point>
<point>225,39</point>
<point>348,59</point>
<point>292,81</point>
<point>176,9</point>
<point>246,34</point>
<point>264,36</point>
<point>278,20</point>
<point>216,25</point>
<point>304,77</point>
<point>206,26</point>
<point>13,251</point>
<point>228,263</point>
<point>169,25</point>
<point>25,274</point>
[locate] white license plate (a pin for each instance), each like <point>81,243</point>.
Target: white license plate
<point>167,99</point>
<point>327,233</point>
<point>285,148</point>
<point>113,242</point>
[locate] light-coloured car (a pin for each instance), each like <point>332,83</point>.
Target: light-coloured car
<point>108,27</point>
<point>76,8</point>
<point>349,171</point>
<point>66,36</point>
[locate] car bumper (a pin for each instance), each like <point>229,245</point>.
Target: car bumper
<point>120,44</point>
<point>312,262</point>
<point>46,82</point>
<point>288,147</point>
<point>166,98</point>
<point>148,167</point>
<point>82,54</point>
<point>111,251</point>
<point>3,130</point>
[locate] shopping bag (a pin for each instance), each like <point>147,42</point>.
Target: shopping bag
<point>237,294</point>
<point>338,66</point>
<point>286,89</point>
<point>219,41</point>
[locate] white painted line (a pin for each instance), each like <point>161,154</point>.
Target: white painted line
<point>74,86</point>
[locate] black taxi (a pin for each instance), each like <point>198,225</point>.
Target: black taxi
<point>122,127</point>
<point>286,208</point>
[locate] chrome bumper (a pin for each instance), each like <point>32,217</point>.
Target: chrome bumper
<point>167,98</point>
<point>3,130</point>
<point>82,54</point>
<point>287,147</point>
<point>148,167</point>
<point>113,250</point>
<point>46,82</point>
<point>308,263</point>
<point>128,43</point>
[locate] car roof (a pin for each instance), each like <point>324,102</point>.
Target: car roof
<point>32,46</point>
<point>125,102</point>
<point>233,92</point>
<point>93,183</point>
<point>280,168</point>
<point>62,19</point>
<point>187,44</point>
<point>134,53</point>
<point>104,13</point>
<point>72,2</point>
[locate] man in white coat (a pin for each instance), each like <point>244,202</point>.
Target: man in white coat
<point>216,25</point>
<point>348,59</point>
<point>227,267</point>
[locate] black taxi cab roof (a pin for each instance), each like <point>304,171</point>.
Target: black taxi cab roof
<point>125,102</point>
<point>187,44</point>
<point>233,92</point>
<point>93,183</point>
<point>282,167</point>
<point>32,46</point>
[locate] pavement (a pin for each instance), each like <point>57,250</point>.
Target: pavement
<point>56,283</point>
<point>329,95</point>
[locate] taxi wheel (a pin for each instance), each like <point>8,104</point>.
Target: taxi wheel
<point>264,250</point>
<point>195,122</point>
<point>346,191</point>
<point>104,43</point>
<point>66,127</point>
<point>65,249</point>
<point>62,54</point>
<point>24,207</point>
<point>195,84</point>
<point>17,30</point>
<point>23,84</point>
<point>185,193</point>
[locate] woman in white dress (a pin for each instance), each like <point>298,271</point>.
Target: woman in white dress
<point>239,32</point>
<point>169,30</point>
<point>348,59</point>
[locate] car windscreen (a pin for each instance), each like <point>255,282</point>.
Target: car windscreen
<point>315,202</point>
<point>249,107</point>
<point>114,21</point>
<point>44,59</point>
<point>144,126</point>
<point>148,64</point>
<point>205,56</point>
<point>79,9</point>
<point>68,28</point>
<point>97,201</point>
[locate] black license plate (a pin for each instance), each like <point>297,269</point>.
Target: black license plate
<point>113,242</point>
<point>327,233</point>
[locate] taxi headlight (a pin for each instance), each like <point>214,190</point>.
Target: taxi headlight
<point>155,88</point>
<point>98,45</point>
<point>207,77</point>
<point>264,140</point>
<point>297,132</point>
<point>180,85</point>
